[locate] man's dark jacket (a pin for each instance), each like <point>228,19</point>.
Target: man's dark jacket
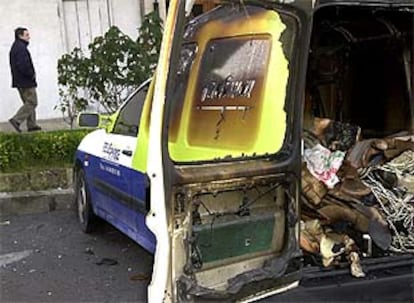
<point>21,65</point>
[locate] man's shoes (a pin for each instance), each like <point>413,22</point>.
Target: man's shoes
<point>16,125</point>
<point>34,128</point>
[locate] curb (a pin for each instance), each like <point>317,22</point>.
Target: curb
<point>36,180</point>
<point>33,202</point>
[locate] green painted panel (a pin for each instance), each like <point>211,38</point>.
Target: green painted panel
<point>234,236</point>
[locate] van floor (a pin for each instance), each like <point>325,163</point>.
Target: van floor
<point>389,279</point>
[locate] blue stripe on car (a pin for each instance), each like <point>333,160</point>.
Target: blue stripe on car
<point>119,195</point>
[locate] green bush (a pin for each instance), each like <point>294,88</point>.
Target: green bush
<point>38,150</point>
<point>114,66</point>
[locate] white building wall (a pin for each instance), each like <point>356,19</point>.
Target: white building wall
<point>126,14</point>
<point>41,17</point>
<point>56,26</point>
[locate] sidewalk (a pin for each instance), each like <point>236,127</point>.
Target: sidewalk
<point>46,125</point>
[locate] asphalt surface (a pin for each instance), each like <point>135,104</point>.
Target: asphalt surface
<point>46,258</point>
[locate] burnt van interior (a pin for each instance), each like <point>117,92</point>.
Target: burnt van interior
<point>360,68</point>
<point>359,103</point>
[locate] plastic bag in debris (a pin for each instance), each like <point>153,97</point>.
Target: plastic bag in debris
<point>323,164</point>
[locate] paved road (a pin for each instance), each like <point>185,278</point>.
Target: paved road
<point>46,258</point>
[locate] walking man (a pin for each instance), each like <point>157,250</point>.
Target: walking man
<point>24,79</point>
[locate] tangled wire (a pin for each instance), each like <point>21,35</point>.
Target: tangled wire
<point>397,203</point>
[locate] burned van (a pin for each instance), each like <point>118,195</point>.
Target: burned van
<point>276,139</point>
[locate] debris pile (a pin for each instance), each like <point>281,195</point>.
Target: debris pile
<point>357,194</point>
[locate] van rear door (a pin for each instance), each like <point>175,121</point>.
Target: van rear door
<point>225,151</point>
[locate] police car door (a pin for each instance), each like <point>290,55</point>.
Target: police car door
<point>121,189</point>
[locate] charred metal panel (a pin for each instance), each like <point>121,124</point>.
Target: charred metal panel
<point>228,92</point>
<point>232,227</point>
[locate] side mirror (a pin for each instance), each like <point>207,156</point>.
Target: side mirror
<point>88,120</point>
<point>97,120</point>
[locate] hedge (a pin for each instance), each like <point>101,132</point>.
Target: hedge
<point>38,150</point>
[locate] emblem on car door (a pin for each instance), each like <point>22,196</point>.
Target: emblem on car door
<point>111,153</point>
